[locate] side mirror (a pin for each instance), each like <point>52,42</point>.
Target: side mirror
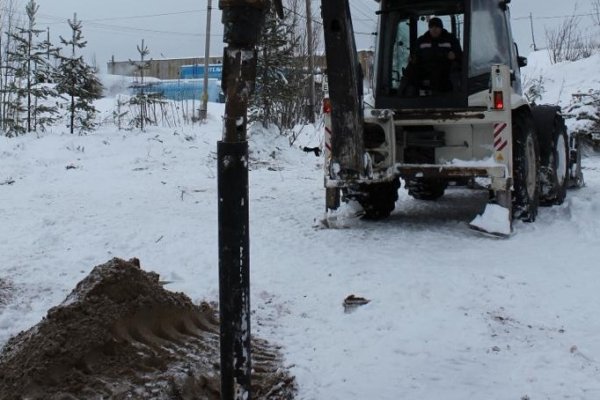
<point>522,61</point>
<point>503,4</point>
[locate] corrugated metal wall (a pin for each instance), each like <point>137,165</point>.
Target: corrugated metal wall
<point>170,68</point>
<point>161,68</point>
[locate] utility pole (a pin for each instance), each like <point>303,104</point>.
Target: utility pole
<point>143,52</point>
<point>203,105</point>
<point>532,34</point>
<point>311,64</point>
<point>73,41</point>
<point>48,43</point>
<point>242,21</point>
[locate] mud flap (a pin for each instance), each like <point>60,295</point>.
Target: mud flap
<point>495,220</point>
<point>332,198</point>
<point>335,220</point>
<point>330,220</point>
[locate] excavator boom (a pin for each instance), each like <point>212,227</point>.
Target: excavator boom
<point>345,82</point>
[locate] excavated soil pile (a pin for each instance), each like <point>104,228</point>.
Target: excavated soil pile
<point>120,335</point>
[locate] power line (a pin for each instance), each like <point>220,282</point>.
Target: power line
<point>97,26</point>
<point>110,27</point>
<point>557,16</point>
<point>370,15</point>
<point>131,17</point>
<point>92,24</point>
<point>127,28</point>
<point>302,16</point>
<point>59,20</point>
<point>146,16</point>
<point>360,10</point>
<point>320,23</point>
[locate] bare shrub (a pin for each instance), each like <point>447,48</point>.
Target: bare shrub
<point>566,43</point>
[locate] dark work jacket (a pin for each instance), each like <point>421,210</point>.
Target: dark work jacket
<point>432,59</point>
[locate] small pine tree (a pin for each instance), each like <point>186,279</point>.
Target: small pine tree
<point>534,89</point>
<point>78,81</point>
<point>142,99</point>
<point>30,107</point>
<point>7,24</point>
<point>276,71</point>
<point>14,108</point>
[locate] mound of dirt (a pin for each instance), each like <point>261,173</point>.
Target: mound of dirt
<point>121,335</point>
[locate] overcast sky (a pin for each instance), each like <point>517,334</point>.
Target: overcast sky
<point>177,28</point>
<point>170,29</point>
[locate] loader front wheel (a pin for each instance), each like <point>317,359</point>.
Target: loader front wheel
<point>526,163</point>
<point>426,189</point>
<point>378,199</point>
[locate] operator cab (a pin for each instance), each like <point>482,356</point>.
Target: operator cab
<point>410,66</point>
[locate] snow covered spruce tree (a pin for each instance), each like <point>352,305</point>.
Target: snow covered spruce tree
<point>8,20</point>
<point>278,81</point>
<point>78,82</point>
<point>30,108</point>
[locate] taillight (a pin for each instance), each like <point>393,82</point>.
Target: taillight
<point>326,106</point>
<point>498,101</point>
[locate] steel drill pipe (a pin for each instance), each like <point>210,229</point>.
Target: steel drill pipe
<point>243,21</point>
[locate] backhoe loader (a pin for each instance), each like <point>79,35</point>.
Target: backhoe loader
<point>476,126</point>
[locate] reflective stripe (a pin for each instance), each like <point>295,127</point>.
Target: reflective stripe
<point>429,45</point>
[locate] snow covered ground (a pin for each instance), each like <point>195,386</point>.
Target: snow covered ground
<point>453,314</point>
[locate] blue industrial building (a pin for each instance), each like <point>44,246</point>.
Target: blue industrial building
<point>190,85</point>
<point>196,71</point>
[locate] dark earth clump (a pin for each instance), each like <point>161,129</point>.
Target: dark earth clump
<point>121,335</point>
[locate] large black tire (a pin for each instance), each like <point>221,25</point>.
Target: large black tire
<point>555,175</point>
<point>378,199</point>
<point>426,189</point>
<point>554,154</point>
<point>526,163</point>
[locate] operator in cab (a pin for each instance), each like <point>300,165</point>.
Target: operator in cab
<point>437,55</point>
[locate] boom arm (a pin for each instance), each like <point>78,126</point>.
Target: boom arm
<point>345,90</point>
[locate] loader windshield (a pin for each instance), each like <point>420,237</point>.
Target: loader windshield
<point>431,65</point>
<point>435,53</point>
<point>490,42</point>
<point>421,57</point>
